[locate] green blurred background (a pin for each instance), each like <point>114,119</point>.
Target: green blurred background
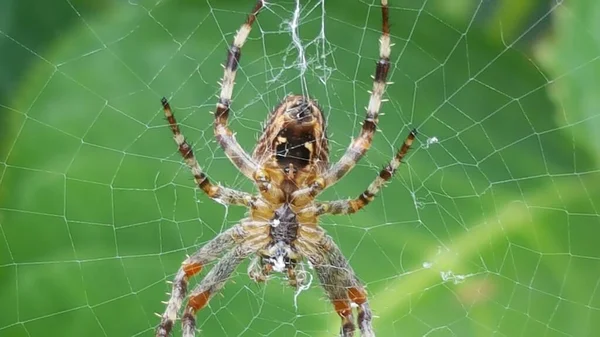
<point>490,231</point>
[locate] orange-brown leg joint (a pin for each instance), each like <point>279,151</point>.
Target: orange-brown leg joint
<point>358,204</point>
<point>211,191</point>
<point>204,183</point>
<point>199,301</point>
<point>191,269</point>
<point>342,307</point>
<point>357,295</point>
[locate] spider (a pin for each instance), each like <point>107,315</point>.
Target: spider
<point>290,167</point>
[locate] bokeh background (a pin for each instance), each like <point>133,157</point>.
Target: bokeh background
<point>490,228</point>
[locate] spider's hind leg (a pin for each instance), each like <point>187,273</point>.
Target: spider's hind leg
<point>190,267</point>
<point>209,286</point>
<point>339,281</point>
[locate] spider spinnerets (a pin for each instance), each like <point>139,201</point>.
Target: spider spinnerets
<point>290,167</point>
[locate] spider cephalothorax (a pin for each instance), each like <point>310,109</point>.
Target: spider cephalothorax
<point>290,167</point>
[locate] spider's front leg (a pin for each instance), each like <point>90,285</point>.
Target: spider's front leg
<point>362,143</point>
<point>246,237</point>
<point>224,136</point>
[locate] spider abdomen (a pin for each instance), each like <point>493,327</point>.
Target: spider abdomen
<point>294,141</point>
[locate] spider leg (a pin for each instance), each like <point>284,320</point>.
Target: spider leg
<point>362,143</point>
<point>216,192</point>
<point>354,205</point>
<point>330,280</point>
<point>337,278</point>
<point>210,285</point>
<point>191,266</point>
<point>249,235</point>
<point>224,135</point>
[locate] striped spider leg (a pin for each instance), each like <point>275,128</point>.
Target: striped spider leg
<point>224,135</point>
<point>362,143</point>
<point>356,204</point>
<point>337,278</point>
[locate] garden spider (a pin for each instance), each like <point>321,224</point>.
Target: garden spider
<point>290,166</point>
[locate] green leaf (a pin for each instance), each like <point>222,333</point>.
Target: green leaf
<point>572,56</point>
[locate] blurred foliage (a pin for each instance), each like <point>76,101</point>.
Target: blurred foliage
<point>97,210</point>
<point>571,56</point>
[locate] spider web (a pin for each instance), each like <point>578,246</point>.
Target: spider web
<point>488,229</point>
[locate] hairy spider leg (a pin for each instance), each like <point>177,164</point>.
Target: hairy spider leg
<point>362,143</point>
<point>216,192</point>
<point>240,240</point>
<point>354,205</point>
<point>337,279</point>
<point>330,279</point>
<point>191,266</point>
<point>224,135</point>
<point>210,285</point>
